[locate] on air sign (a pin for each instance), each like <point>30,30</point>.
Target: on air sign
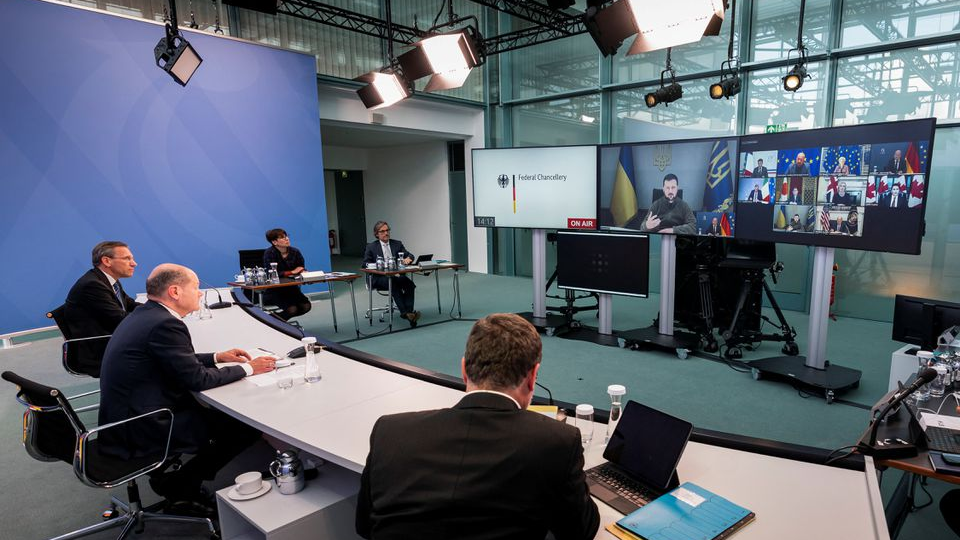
<point>581,223</point>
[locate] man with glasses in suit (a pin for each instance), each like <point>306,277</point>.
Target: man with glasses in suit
<point>403,287</point>
<point>97,302</point>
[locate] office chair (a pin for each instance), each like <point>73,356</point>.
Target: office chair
<point>252,258</point>
<point>52,431</point>
<point>78,351</point>
<point>388,307</point>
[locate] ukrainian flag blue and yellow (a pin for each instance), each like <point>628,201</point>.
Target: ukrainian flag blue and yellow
<point>623,201</point>
<point>718,192</point>
<point>780,220</point>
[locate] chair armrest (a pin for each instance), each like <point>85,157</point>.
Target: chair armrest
<point>89,338</point>
<point>80,457</point>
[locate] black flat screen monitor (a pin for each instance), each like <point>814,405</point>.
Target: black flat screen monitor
<point>920,321</point>
<point>858,187</point>
<point>610,263</point>
<point>672,187</point>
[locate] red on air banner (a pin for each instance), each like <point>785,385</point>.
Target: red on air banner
<point>581,223</point>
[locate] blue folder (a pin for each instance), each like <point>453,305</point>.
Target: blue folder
<point>689,512</point>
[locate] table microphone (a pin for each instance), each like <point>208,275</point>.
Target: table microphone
<point>899,448</point>
<point>216,305</point>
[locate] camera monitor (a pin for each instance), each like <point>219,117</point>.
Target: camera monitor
<point>679,187</point>
<point>611,263</point>
<point>857,187</point>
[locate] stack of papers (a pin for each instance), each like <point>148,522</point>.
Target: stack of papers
<point>312,274</point>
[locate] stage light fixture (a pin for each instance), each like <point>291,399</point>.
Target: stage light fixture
<point>609,25</point>
<point>726,88</point>
<point>793,80</point>
<point>448,58</point>
<point>669,24</point>
<point>382,89</point>
<point>664,94</point>
<point>174,54</point>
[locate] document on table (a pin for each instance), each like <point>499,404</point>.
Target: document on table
<point>940,420</point>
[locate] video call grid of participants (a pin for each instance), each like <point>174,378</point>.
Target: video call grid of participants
<point>831,190</point>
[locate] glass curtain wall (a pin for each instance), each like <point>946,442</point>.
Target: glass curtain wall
<point>870,61</point>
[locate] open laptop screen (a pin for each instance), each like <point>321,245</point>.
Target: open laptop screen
<point>648,444</point>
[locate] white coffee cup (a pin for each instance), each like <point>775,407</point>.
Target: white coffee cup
<point>249,482</point>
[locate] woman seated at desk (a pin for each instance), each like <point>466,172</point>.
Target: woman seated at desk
<point>290,263</point>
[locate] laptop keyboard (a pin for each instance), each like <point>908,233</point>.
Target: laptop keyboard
<point>623,485</point>
<point>944,440</point>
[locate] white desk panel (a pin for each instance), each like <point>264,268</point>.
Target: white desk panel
<point>333,419</point>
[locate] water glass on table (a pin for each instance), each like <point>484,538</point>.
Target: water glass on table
<point>584,422</point>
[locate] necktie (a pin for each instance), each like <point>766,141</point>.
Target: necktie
<point>116,291</point>
<point>893,202</point>
<point>386,251</point>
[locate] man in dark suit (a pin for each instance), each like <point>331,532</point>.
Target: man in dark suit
<point>896,165</point>
<point>759,171</point>
<point>893,198</point>
<point>714,229</point>
<point>150,364</point>
<point>794,197</point>
<point>486,468</point>
<point>756,195</point>
<point>403,287</point>
<point>97,303</point>
<point>799,166</point>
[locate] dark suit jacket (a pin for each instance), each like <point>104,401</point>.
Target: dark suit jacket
<point>755,196</point>
<point>897,168</point>
<point>760,172</point>
<point>150,364</point>
<point>884,201</point>
<point>92,309</point>
<point>482,469</point>
<point>374,250</point>
<point>802,169</point>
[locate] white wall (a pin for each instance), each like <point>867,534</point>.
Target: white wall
<point>407,187</point>
<point>422,220</point>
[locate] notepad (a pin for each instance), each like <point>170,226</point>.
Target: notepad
<point>689,512</point>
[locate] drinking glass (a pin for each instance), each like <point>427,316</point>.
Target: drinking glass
<point>584,422</point>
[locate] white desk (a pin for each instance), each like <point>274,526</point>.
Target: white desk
<point>333,419</point>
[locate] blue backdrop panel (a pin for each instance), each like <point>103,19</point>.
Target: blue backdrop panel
<point>98,143</point>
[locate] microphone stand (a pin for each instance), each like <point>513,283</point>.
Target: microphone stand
<point>220,304</point>
<point>896,448</point>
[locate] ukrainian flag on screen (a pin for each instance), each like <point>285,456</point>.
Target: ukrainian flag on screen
<point>718,193</point>
<point>623,201</point>
<point>781,218</point>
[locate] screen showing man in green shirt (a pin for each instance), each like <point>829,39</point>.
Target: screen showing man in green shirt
<point>670,214</point>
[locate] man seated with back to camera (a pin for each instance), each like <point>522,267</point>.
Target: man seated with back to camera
<point>670,213</point>
<point>290,263</point>
<point>97,302</point>
<point>485,468</point>
<point>403,287</point>
<point>150,364</point>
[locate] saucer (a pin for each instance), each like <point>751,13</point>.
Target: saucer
<point>235,496</point>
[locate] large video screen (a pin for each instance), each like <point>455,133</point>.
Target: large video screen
<point>679,187</point>
<point>611,263</point>
<point>536,188</point>
<point>858,187</point>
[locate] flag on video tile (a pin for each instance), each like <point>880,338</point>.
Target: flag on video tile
<point>781,221</point>
<point>831,188</point>
<point>825,218</point>
<point>623,202</point>
<point>913,159</point>
<point>768,192</point>
<point>916,191</point>
<point>871,191</point>
<point>748,164</point>
<point>811,219</point>
<point>718,193</point>
<point>882,186</point>
<point>784,189</point>
<point>725,228</point>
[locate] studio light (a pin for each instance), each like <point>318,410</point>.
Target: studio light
<point>668,24</point>
<point>609,25</point>
<point>174,54</point>
<point>382,89</point>
<point>664,94</point>
<point>667,93</point>
<point>726,88</point>
<point>448,58</point>
<point>793,80</point>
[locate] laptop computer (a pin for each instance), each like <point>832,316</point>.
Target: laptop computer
<point>642,458</point>
<point>424,258</point>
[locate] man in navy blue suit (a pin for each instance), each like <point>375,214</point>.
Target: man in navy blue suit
<point>403,287</point>
<point>150,364</point>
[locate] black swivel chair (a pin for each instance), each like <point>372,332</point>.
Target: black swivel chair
<point>252,258</point>
<point>52,431</point>
<point>81,355</point>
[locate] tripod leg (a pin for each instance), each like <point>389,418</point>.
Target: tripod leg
<point>789,333</point>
